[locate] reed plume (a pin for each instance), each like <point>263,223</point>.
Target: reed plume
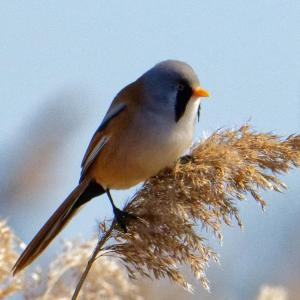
<point>201,189</point>
<point>8,255</point>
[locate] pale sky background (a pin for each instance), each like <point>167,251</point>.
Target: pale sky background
<point>246,53</point>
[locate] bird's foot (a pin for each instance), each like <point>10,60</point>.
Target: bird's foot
<point>122,218</point>
<point>186,159</point>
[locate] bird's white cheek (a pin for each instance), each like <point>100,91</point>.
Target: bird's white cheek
<point>189,116</point>
<point>195,102</point>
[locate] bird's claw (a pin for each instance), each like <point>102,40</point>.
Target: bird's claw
<point>122,217</point>
<point>186,159</point>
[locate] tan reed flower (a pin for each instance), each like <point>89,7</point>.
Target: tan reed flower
<point>8,255</point>
<point>107,279</point>
<point>201,189</point>
<point>272,293</point>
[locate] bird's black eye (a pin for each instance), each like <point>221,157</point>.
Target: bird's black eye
<point>180,87</point>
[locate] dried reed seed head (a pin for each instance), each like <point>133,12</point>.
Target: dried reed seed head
<point>202,189</point>
<point>272,293</point>
<point>8,256</point>
<point>107,280</point>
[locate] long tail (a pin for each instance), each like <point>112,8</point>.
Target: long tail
<point>85,191</point>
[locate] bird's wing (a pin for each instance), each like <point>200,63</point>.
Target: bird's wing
<point>99,139</point>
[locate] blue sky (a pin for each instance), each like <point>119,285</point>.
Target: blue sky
<point>247,54</point>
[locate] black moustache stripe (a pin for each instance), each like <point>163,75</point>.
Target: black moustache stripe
<point>182,99</point>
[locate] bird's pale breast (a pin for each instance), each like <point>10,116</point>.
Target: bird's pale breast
<point>136,153</point>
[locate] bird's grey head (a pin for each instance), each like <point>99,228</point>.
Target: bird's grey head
<point>170,85</point>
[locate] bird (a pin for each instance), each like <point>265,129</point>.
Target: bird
<point>148,126</point>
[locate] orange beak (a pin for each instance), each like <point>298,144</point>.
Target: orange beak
<point>200,92</point>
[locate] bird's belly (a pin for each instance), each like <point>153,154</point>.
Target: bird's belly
<point>124,167</point>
